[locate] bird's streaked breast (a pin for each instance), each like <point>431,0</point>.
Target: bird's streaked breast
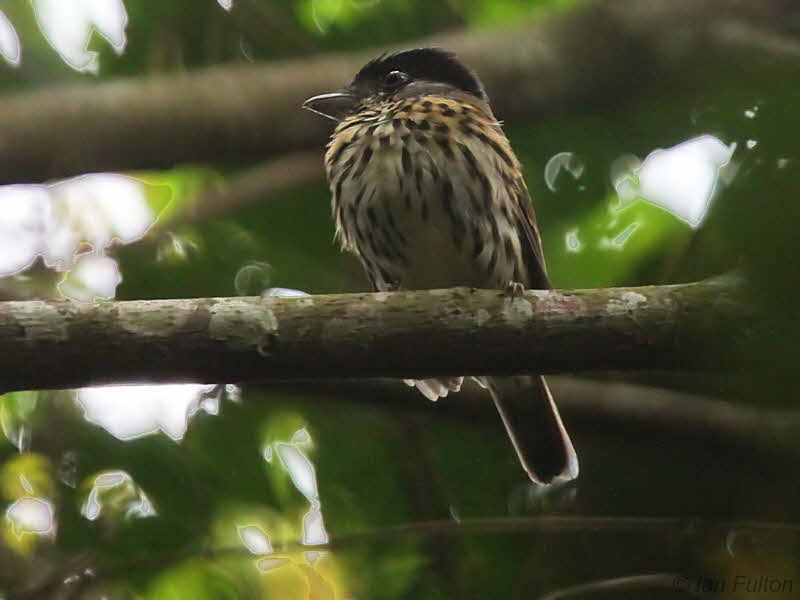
<point>422,193</point>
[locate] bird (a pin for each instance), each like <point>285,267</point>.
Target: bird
<point>427,193</point>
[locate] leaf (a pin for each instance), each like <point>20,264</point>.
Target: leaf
<point>68,25</point>
<point>192,579</point>
<point>9,42</point>
<point>16,410</point>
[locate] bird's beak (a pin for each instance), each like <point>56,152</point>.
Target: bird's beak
<point>334,106</point>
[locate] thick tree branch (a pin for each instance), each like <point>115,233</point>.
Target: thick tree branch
<point>595,53</point>
<point>400,334</point>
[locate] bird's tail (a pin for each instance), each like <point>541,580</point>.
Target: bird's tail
<point>532,421</point>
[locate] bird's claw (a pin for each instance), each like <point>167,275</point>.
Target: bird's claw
<point>514,290</point>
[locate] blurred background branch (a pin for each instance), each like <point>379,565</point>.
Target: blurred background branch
<point>250,185</point>
<point>449,529</point>
<point>590,405</point>
<point>62,344</point>
<point>599,53</point>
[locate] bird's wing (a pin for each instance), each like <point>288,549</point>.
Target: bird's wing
<point>527,230</point>
<point>530,240</point>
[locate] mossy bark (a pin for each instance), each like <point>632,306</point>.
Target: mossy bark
<point>704,325</point>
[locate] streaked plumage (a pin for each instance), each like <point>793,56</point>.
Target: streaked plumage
<point>428,193</point>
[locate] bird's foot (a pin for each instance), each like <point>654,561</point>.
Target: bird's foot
<point>514,290</point>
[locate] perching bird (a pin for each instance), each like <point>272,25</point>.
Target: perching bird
<point>428,193</point>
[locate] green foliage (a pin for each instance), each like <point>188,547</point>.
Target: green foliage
<point>169,36</point>
<point>500,12</point>
<point>16,411</point>
<point>607,246</point>
<point>171,194</point>
<point>319,16</point>
<point>193,579</point>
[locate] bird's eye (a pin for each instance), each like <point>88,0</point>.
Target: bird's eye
<point>394,79</point>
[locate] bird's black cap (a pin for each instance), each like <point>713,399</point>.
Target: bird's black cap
<point>413,72</point>
<point>422,64</point>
